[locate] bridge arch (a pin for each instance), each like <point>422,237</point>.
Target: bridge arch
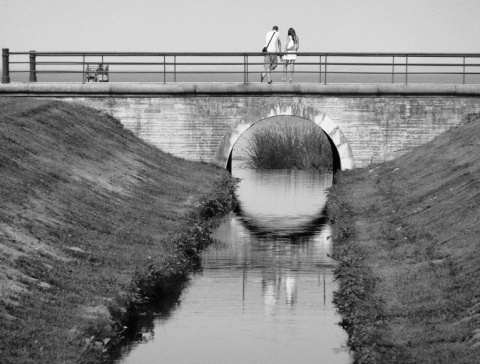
<point>342,153</point>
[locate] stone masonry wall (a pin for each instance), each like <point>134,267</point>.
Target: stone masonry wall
<point>377,128</point>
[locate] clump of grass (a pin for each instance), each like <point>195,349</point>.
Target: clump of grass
<point>164,277</point>
<point>287,146</point>
<point>362,309</point>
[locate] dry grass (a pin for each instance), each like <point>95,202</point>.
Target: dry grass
<point>289,146</point>
<point>420,217</point>
<point>85,205</point>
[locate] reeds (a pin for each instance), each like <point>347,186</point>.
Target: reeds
<point>289,146</point>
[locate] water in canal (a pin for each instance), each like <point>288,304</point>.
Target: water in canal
<point>264,294</point>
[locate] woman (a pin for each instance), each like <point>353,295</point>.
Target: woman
<point>291,47</point>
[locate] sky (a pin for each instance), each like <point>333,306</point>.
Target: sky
<point>433,26</point>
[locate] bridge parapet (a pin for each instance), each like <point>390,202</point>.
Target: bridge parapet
<point>200,89</point>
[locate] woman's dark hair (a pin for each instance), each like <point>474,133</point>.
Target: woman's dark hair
<point>291,32</point>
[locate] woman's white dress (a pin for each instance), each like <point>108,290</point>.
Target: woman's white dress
<point>291,54</point>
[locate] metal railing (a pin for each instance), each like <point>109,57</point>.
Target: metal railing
<point>318,67</point>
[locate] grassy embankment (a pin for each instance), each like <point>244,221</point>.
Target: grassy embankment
<point>289,146</point>
<point>93,222</point>
<point>407,238</point>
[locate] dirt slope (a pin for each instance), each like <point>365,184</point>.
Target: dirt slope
<point>410,253</point>
<point>83,203</point>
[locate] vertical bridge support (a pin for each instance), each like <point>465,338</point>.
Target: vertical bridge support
<point>5,66</point>
<point>33,67</point>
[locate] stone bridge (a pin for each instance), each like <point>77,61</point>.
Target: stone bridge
<point>365,123</point>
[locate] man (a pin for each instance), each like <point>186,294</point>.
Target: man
<point>274,45</point>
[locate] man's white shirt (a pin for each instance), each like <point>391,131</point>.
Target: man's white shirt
<point>273,46</point>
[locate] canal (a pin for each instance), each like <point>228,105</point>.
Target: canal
<point>264,292</point>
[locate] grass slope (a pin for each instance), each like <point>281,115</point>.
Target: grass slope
<point>406,235</point>
<point>85,206</point>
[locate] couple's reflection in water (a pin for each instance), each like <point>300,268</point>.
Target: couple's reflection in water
<point>285,247</point>
<point>273,284</point>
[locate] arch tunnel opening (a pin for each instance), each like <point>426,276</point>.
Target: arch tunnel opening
<point>342,154</point>
<point>290,120</point>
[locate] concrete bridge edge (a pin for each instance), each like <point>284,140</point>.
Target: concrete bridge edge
<point>295,109</point>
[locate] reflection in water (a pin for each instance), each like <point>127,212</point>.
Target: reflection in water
<point>265,290</point>
<point>282,200</point>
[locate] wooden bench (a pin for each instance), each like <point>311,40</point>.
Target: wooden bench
<point>90,73</point>
<point>94,73</point>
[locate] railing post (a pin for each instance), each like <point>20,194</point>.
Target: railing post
<point>393,69</point>
<point>320,70</point>
<point>164,69</point>
<point>325,69</point>
<point>406,69</point>
<point>175,68</point>
<point>83,68</point>
<point>245,69</point>
<point>33,73</point>
<point>5,66</point>
<point>464,70</point>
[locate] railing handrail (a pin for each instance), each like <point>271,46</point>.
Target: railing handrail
<point>324,63</point>
<point>236,54</point>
